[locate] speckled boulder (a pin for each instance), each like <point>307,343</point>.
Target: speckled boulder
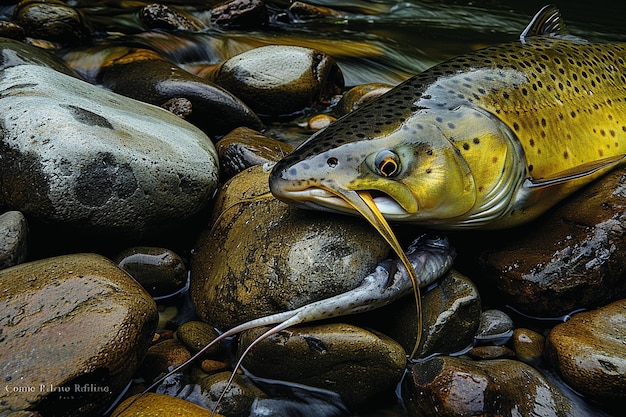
<point>96,160</point>
<point>589,353</point>
<point>74,328</point>
<point>262,256</point>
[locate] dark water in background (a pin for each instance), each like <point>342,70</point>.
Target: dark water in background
<point>374,41</point>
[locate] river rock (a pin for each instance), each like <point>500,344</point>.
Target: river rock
<point>359,95</point>
<point>570,258</point>
<point>13,53</point>
<point>528,345</point>
<point>151,404</point>
<point>360,365</point>
<point>195,335</point>
<point>244,148</point>
<point>240,13</point>
<point>53,20</point>
<point>13,238</point>
<point>144,75</point>
<point>588,351</point>
<point>447,386</point>
<point>74,330</point>
<point>161,356</point>
<point>96,160</point>
<point>162,16</point>
<point>280,80</point>
<point>262,256</point>
<point>496,328</point>
<point>451,315</point>
<point>160,271</point>
<point>236,401</point>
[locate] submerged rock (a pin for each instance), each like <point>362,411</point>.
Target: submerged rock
<point>589,353</point>
<point>96,160</point>
<point>361,366</point>
<point>262,256</point>
<point>74,330</point>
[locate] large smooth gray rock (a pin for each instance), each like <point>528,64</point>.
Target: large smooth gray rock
<point>75,154</point>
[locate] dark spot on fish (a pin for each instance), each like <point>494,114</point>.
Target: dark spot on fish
<point>87,117</point>
<point>466,146</point>
<point>573,114</point>
<point>602,132</point>
<point>476,141</point>
<point>515,126</point>
<point>439,119</point>
<point>600,152</point>
<point>451,125</point>
<point>532,142</point>
<point>530,168</point>
<point>494,159</point>
<point>543,122</point>
<point>428,170</point>
<point>565,155</point>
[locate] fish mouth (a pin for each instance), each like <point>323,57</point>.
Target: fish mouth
<point>322,199</point>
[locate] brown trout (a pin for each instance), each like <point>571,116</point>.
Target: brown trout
<point>491,139</point>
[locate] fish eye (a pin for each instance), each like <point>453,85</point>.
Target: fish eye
<point>387,163</point>
<point>332,162</point>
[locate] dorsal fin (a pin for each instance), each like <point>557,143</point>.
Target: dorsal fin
<point>547,21</point>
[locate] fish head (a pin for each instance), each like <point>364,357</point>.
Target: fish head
<point>414,169</point>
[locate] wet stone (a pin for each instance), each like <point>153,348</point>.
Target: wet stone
<point>14,53</point>
<point>11,30</point>
<point>588,353</point>
<point>155,405</point>
<point>449,387</point>
<point>13,238</point>
<point>528,345</point>
<point>360,365</point>
<point>238,398</point>
<point>583,237</point>
<point>195,335</point>
<point>147,76</point>
<point>98,161</point>
<point>240,13</point>
<point>359,95</point>
<point>244,148</point>
<point>83,321</point>
<point>280,80</point>
<point>491,352</point>
<point>160,271</point>
<point>320,121</point>
<point>262,256</point>
<point>161,16</point>
<point>304,11</point>
<point>451,313</point>
<point>161,356</point>
<point>496,328</point>
<point>54,21</point>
